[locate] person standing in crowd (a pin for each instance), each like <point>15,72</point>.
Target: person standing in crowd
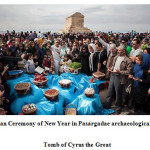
<point>128,48</point>
<point>70,45</point>
<point>56,48</point>
<point>20,50</point>
<point>48,61</point>
<point>10,60</point>
<point>108,47</point>
<point>13,47</point>
<point>84,57</point>
<point>140,72</point>
<point>63,51</point>
<point>30,65</point>
<point>80,45</point>
<point>32,48</point>
<point>136,50</point>
<point>147,50</point>
<point>119,73</point>
<point>3,48</point>
<point>96,57</point>
<point>144,45</point>
<point>65,64</point>
<point>75,53</point>
<point>92,58</point>
<point>101,58</point>
<point>88,40</point>
<point>40,54</point>
<point>26,48</point>
<point>109,62</point>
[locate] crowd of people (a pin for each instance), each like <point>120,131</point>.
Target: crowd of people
<point>123,57</point>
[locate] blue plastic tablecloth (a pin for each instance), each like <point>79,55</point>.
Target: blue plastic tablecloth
<point>90,106</point>
<point>66,95</point>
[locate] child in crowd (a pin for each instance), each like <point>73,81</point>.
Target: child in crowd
<point>63,51</point>
<point>65,64</point>
<point>48,61</point>
<point>30,65</point>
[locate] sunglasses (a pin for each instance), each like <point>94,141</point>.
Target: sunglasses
<point>133,44</point>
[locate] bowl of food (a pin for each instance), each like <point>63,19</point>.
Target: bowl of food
<point>15,73</point>
<point>75,67</point>
<point>71,110</point>
<point>40,80</point>
<point>98,75</point>
<point>89,92</point>
<point>65,83</point>
<point>51,94</point>
<point>29,109</point>
<point>23,88</point>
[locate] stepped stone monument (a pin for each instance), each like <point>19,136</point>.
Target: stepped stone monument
<point>75,24</point>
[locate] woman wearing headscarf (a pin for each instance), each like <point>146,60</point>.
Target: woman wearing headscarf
<point>92,59</point>
<point>32,49</point>
<point>84,57</point>
<point>141,74</point>
<point>75,53</point>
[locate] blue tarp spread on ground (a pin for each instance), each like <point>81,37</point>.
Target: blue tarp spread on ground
<point>74,94</point>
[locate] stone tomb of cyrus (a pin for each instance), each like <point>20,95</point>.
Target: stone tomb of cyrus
<point>75,24</point>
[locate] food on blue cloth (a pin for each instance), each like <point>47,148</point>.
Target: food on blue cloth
<point>22,88</point>
<point>98,75</point>
<point>75,67</point>
<point>40,80</point>
<point>51,94</point>
<point>29,109</point>
<point>15,73</point>
<point>65,83</point>
<point>89,92</point>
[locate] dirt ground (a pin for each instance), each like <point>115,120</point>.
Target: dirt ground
<point>103,94</point>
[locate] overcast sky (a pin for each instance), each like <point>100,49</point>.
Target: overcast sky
<point>98,17</point>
